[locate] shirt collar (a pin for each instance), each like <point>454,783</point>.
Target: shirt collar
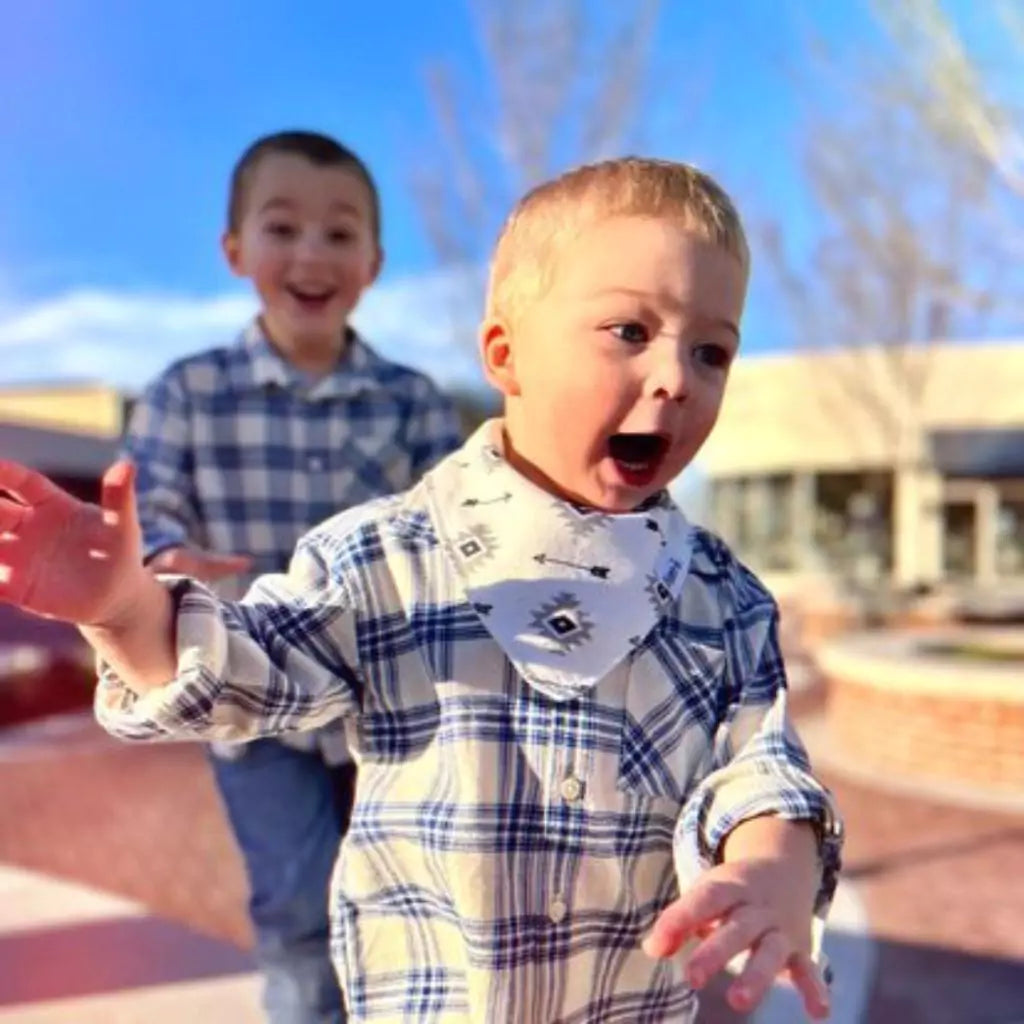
<point>358,370</point>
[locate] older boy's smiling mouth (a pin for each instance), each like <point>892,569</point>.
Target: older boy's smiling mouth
<point>310,296</point>
<point>638,457</point>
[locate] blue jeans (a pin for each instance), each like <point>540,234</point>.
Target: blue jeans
<point>289,810</point>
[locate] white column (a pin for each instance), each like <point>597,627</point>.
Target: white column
<point>986,526</point>
<point>801,521</point>
<point>929,544</point>
<point>917,527</point>
<point>725,510</point>
<point>755,512</point>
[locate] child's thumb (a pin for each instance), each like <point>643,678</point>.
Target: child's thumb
<point>117,493</point>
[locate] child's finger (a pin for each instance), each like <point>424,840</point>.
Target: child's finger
<point>808,981</point>
<point>11,516</point>
<point>708,900</point>
<point>26,484</point>
<point>739,931</point>
<point>118,493</point>
<point>226,565</point>
<point>168,560</point>
<point>766,962</point>
<point>201,565</point>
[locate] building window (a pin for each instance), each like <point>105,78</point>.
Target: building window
<point>1010,539</point>
<point>853,522</point>
<point>777,539</point>
<point>959,519</point>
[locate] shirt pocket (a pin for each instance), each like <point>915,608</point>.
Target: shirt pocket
<point>674,700</point>
<point>379,452</point>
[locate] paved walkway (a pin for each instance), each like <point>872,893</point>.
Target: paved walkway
<point>116,870</point>
<point>152,925</point>
<point>69,953</point>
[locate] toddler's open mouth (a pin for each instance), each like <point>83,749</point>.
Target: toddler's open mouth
<point>638,457</point>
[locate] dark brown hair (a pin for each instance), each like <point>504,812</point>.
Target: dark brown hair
<point>318,149</point>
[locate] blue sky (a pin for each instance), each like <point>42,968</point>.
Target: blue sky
<point>121,122</point>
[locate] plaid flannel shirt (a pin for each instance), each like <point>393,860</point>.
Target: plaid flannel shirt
<point>237,452</point>
<point>508,851</point>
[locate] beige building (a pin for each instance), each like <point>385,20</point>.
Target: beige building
<point>78,407</point>
<point>904,463</point>
<point>70,431</point>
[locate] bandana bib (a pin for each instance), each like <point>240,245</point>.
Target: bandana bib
<point>566,591</point>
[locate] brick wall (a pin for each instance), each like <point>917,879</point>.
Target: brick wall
<point>950,739</point>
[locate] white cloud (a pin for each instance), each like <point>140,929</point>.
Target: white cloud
<point>126,338</point>
<point>428,321</point>
<point>690,490</point>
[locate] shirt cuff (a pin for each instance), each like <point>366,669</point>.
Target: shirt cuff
<point>180,708</point>
<point>789,793</point>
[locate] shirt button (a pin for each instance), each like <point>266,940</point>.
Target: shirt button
<point>557,910</point>
<point>316,463</point>
<point>571,789</point>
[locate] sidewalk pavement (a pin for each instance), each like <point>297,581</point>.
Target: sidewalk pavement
<point>69,953</point>
<point>140,827</point>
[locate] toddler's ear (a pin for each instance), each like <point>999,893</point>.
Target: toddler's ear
<point>498,356</point>
<point>232,249</point>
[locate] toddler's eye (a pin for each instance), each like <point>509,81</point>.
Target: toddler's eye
<point>715,356</point>
<point>341,236</point>
<point>279,230</point>
<point>631,331</point>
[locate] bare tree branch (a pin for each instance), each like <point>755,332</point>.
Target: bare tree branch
<point>909,248</point>
<point>565,84</point>
<point>961,98</point>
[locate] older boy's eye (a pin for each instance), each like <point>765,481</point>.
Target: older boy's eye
<point>715,356</point>
<point>631,331</point>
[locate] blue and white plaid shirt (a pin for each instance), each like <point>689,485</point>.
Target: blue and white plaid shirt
<point>237,452</point>
<point>508,851</point>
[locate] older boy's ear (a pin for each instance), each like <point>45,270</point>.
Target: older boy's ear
<point>232,249</point>
<point>496,354</point>
<point>376,267</point>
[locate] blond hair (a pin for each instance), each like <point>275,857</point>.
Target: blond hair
<point>547,217</point>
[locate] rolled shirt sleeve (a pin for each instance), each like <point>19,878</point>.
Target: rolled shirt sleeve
<point>760,765</point>
<point>282,660</point>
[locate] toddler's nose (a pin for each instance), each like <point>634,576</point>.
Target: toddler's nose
<point>668,379</point>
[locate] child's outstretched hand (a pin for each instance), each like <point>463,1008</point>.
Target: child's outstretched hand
<point>65,558</point>
<point>738,906</point>
<point>206,566</point>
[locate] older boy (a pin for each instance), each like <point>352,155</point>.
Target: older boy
<point>567,703</point>
<point>241,449</point>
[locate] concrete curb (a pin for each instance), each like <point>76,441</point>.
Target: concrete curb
<point>814,732</point>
